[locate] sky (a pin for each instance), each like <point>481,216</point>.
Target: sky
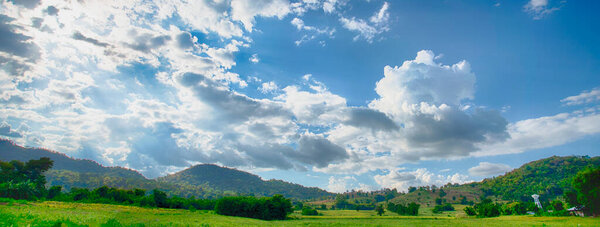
<point>337,94</point>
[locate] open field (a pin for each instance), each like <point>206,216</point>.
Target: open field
<point>76,214</point>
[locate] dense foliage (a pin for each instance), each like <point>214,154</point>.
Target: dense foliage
<point>401,209</point>
<point>442,208</point>
<point>265,208</point>
<point>587,185</point>
<point>309,211</point>
<point>486,208</point>
<point>20,180</point>
<point>548,177</point>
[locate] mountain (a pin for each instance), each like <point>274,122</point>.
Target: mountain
<point>548,177</point>
<point>201,181</point>
<point>10,151</point>
<point>227,179</point>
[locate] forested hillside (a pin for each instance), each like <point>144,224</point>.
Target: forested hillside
<point>226,179</point>
<point>548,177</point>
<point>202,181</point>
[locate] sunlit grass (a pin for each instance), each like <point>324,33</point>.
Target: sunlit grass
<point>73,214</point>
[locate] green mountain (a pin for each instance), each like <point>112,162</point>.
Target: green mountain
<point>201,181</point>
<point>10,151</point>
<point>226,179</point>
<point>548,177</point>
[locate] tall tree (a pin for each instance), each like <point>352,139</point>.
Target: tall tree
<point>587,184</point>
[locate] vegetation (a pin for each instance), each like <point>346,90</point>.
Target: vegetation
<point>50,213</point>
<point>273,208</point>
<point>442,208</point>
<point>202,181</point>
<point>549,178</point>
<point>587,185</point>
<point>380,211</point>
<point>411,209</point>
<point>309,211</point>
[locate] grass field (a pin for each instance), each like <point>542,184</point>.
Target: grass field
<point>78,214</point>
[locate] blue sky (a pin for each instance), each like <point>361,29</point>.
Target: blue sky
<point>337,94</point>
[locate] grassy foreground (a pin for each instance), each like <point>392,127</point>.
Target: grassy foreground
<point>79,214</point>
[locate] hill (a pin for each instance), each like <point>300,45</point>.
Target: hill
<point>548,177</point>
<point>227,179</point>
<point>10,151</point>
<point>201,181</point>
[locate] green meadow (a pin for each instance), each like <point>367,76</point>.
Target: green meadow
<point>50,213</point>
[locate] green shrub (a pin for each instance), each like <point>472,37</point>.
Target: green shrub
<point>266,208</point>
<point>469,210</point>
<point>309,211</point>
<point>441,208</point>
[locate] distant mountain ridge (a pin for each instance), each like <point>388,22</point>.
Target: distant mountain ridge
<point>226,179</point>
<point>11,151</point>
<point>201,181</point>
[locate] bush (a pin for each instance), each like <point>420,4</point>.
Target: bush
<point>412,208</point>
<point>487,209</point>
<point>517,208</point>
<point>266,208</point>
<point>470,211</point>
<point>587,185</point>
<point>441,208</point>
<point>309,211</point>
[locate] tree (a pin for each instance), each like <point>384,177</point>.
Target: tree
<point>442,193</point>
<point>557,205</point>
<point>20,180</point>
<point>160,198</point>
<point>469,210</point>
<point>380,209</point>
<point>587,185</point>
<point>309,211</point>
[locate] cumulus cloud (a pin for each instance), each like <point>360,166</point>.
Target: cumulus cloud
<point>318,151</point>
<point>424,80</point>
<point>401,180</point>
<point>369,118</point>
<point>489,169</point>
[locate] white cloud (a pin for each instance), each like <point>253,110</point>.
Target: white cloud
<point>382,16</point>
<point>489,169</point>
<point>254,58</point>
<point>423,80</point>
<point>341,184</point>
<point>543,132</point>
<point>583,98</point>
<point>365,30</point>
<point>539,8</point>
<point>420,177</point>
<point>246,10</point>
<point>368,31</point>
<point>299,24</point>
<point>268,87</point>
<point>320,107</point>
